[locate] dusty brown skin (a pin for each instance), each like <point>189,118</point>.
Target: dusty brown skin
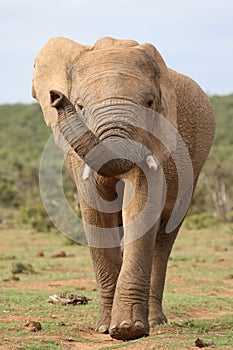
<point>112,81</point>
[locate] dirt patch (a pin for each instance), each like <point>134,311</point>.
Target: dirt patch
<point>96,340</point>
<point>76,284</point>
<point>200,314</point>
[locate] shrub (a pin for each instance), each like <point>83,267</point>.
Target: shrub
<point>200,221</point>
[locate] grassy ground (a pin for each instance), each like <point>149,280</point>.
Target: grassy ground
<point>198,295</point>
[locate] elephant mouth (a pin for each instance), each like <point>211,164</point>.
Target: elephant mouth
<point>123,157</point>
<point>118,136</point>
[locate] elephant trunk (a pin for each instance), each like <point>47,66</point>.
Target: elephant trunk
<point>80,138</point>
<point>95,153</point>
<point>107,158</point>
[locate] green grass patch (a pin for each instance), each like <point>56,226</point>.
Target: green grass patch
<point>197,298</point>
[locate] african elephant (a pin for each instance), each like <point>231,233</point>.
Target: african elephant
<point>138,135</point>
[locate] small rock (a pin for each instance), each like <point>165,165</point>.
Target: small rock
<point>69,339</point>
<point>201,344</point>
<point>210,343</point>
<point>12,278</point>
<point>33,326</point>
<point>59,255</point>
<point>15,278</point>
<point>229,277</point>
<point>40,254</point>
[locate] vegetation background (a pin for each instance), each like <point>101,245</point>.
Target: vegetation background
<point>22,140</point>
<point>198,291</point>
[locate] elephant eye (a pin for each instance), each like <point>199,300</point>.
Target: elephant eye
<point>149,104</point>
<point>80,107</point>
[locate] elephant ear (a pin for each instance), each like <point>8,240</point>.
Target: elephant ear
<point>167,101</point>
<point>52,71</point>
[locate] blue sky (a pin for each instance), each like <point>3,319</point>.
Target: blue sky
<point>195,37</point>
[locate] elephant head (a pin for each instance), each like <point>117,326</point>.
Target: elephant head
<point>103,94</point>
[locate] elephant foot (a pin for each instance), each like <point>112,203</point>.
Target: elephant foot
<point>103,323</point>
<point>129,323</point>
<point>129,330</point>
<point>157,318</point>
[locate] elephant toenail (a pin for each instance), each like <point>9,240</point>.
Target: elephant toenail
<point>139,325</point>
<point>114,327</point>
<point>103,329</point>
<point>126,324</point>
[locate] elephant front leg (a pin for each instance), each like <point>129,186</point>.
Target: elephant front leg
<point>130,306</point>
<point>102,220</point>
<point>107,264</point>
<point>129,318</point>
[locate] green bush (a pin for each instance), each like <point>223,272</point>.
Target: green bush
<point>22,140</point>
<point>37,218</point>
<point>19,267</point>
<point>200,221</point>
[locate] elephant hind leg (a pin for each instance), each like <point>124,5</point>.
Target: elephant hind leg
<point>163,246</point>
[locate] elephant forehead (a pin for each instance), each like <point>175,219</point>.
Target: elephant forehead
<point>120,60</point>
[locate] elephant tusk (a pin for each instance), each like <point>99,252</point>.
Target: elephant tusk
<point>86,172</point>
<point>151,162</point>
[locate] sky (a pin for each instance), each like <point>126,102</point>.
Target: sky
<point>195,37</point>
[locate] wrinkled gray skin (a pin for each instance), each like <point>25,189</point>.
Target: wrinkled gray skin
<point>112,85</point>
